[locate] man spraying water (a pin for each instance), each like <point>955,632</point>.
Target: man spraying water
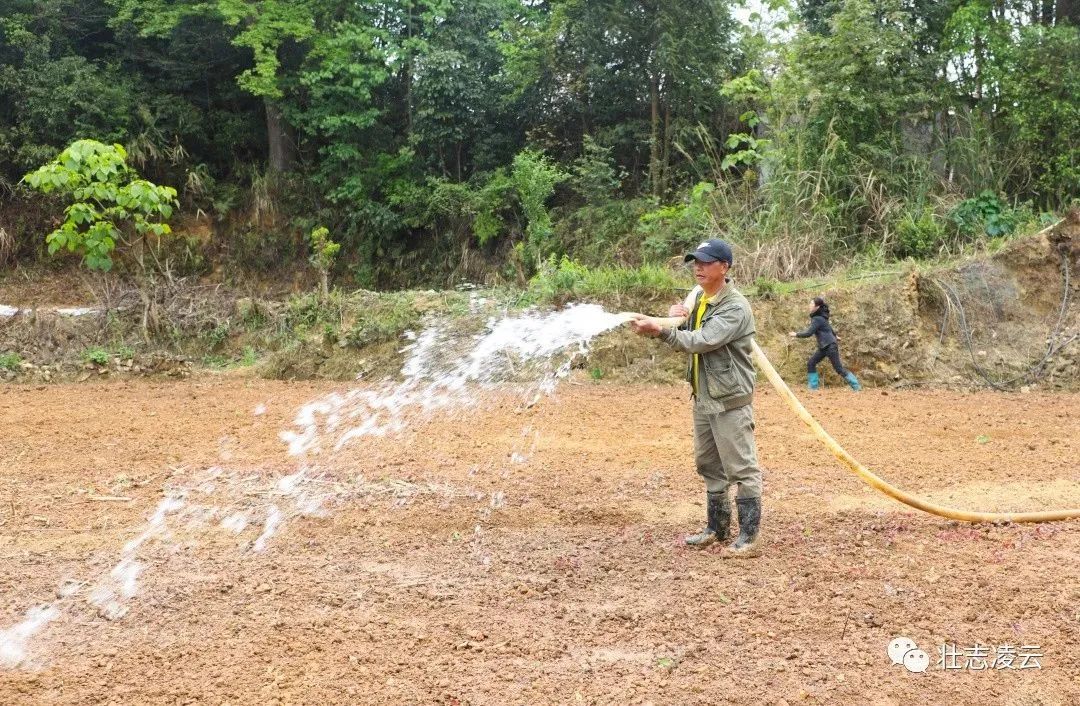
<point>716,327</point>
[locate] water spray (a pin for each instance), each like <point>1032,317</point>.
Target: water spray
<point>434,379</point>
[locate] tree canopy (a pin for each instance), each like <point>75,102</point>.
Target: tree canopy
<point>516,130</point>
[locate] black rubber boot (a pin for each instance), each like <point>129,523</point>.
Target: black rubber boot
<point>746,545</point>
<point>718,513</point>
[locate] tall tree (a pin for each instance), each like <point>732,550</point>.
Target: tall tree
<point>271,29</point>
<point>453,85</point>
<point>634,72</point>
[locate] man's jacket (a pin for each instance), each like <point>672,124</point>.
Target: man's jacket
<point>724,342</point>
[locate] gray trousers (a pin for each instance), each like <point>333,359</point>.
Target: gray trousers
<point>725,452</point>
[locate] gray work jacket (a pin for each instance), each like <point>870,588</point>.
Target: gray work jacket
<point>724,342</point>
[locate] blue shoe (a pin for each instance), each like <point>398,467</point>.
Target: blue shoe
<point>853,381</point>
<point>813,381</point>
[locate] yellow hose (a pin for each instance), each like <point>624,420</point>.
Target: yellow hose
<point>866,475</point>
<point>888,489</point>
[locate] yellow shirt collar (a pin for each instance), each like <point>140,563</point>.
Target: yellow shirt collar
<point>715,299</point>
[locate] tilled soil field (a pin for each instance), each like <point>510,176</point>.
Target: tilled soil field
<point>507,554</point>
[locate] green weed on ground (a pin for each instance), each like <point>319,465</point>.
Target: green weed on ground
<point>10,360</point>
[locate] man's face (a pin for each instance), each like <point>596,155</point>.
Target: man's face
<point>710,275</point>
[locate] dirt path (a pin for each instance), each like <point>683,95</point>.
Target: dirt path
<point>456,574</point>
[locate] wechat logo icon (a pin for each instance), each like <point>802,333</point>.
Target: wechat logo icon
<point>903,650</point>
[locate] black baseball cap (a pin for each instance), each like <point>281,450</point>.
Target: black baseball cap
<point>711,251</point>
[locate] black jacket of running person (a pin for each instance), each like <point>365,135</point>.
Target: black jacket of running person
<point>820,328</point>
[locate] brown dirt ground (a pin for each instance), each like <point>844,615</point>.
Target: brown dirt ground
<point>422,585</point>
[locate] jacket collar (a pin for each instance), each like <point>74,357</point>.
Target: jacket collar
<point>719,296</point>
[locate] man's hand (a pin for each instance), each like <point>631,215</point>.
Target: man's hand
<point>793,334</point>
<point>678,310</point>
<point>645,326</point>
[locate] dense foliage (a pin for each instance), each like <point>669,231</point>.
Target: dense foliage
<point>478,138</point>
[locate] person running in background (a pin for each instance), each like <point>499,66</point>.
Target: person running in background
<point>827,346</point>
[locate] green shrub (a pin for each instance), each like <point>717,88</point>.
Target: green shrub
<point>488,204</point>
<point>534,177</point>
<point>920,234</point>
<point>594,174</point>
<point>674,228</point>
<point>106,196</point>
<point>602,233</point>
<point>985,214</point>
<point>766,288</point>
<point>306,310</point>
<point>217,335</point>
<point>95,355</point>
<point>10,360</point>
<point>323,253</point>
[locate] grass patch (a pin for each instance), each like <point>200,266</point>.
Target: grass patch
<point>215,360</point>
<point>102,356</point>
<point>383,317</point>
<point>96,355</point>
<point>566,279</point>
<point>217,336</point>
<point>10,360</point>
<point>364,318</point>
